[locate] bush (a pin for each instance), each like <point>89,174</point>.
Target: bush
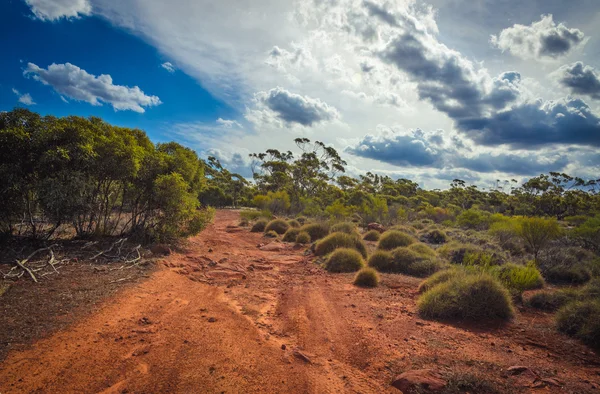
<point>259,226</point>
<point>537,232</point>
<point>475,297</point>
<point>409,262</point>
<point>303,237</point>
<point>435,237</point>
<point>372,235</point>
<point>393,239</point>
<point>340,240</point>
<point>565,265</point>
<point>518,277</point>
<point>551,301</point>
<point>271,234</point>
<point>422,249</point>
<point>455,252</point>
<point>382,261</point>
<point>294,223</point>
<point>405,229</point>
<point>290,235</point>
<point>440,277</point>
<point>344,227</point>
<point>316,230</point>
<point>302,219</point>
<point>366,277</point>
<point>251,215</point>
<point>474,218</point>
<point>592,289</point>
<point>581,319</point>
<point>280,226</point>
<point>344,260</point>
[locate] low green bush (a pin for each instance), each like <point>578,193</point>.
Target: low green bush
<point>294,223</point>
<point>303,237</point>
<point>518,277</point>
<point>259,226</point>
<point>251,215</point>
<point>344,227</point>
<point>366,277</point>
<point>340,240</point>
<point>280,226</point>
<point>316,230</point>
<point>551,301</point>
<point>475,297</point>
<point>372,235</point>
<point>394,239</point>
<point>344,260</point>
<point>382,261</point>
<point>581,320</point>
<point>291,235</point>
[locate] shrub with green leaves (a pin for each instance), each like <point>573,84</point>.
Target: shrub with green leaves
<point>366,277</point>
<point>475,297</point>
<point>280,226</point>
<point>303,237</point>
<point>259,226</point>
<point>344,227</point>
<point>581,320</point>
<point>340,240</point>
<point>344,260</point>
<point>316,230</point>
<point>551,301</point>
<point>473,218</point>
<point>394,239</point>
<point>382,261</point>
<point>291,235</point>
<point>372,235</point>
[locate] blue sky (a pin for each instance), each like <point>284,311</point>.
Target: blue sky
<point>428,90</point>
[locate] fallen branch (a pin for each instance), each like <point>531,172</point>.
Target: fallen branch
<point>104,252</point>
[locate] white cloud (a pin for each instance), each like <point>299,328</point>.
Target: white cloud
<point>228,124</point>
<point>168,66</point>
<point>543,39</point>
<point>24,98</point>
<point>73,82</point>
<point>52,10</point>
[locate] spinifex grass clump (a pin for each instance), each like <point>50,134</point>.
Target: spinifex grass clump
<point>271,234</point>
<point>259,226</point>
<point>581,319</point>
<point>472,297</point>
<point>382,261</point>
<point>551,301</point>
<point>409,262</point>
<point>280,226</point>
<point>340,240</point>
<point>303,237</point>
<point>290,235</point>
<point>366,277</point>
<point>344,227</point>
<point>393,239</point>
<point>344,260</point>
<point>372,235</point>
<point>294,223</point>
<point>316,230</point>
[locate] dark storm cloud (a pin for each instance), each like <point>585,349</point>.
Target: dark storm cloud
<point>580,79</point>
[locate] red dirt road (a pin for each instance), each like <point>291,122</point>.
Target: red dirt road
<point>226,316</point>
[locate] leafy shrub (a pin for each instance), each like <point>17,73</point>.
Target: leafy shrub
<point>344,227</point>
<point>393,239</point>
<point>473,218</point>
<point>518,277</point>
<point>422,249</point>
<point>271,234</point>
<point>340,240</point>
<point>475,297</point>
<point>294,223</point>
<point>316,230</point>
<point>551,301</point>
<point>581,319</point>
<point>537,232</point>
<point>290,235</point>
<point>382,261</point>
<point>589,233</point>
<point>259,226</point>
<point>435,237</point>
<point>505,232</point>
<point>372,235</point>
<point>366,277</point>
<point>344,260</point>
<point>276,202</point>
<point>303,237</point>
<point>280,226</point>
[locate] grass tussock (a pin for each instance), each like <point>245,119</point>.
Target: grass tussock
<point>344,227</point>
<point>344,260</point>
<point>422,249</point>
<point>435,236</point>
<point>382,261</point>
<point>316,230</point>
<point>259,226</point>
<point>409,262</point>
<point>291,234</point>
<point>472,297</point>
<point>280,226</point>
<point>366,277</point>
<point>340,240</point>
<point>581,320</point>
<point>551,301</point>
<point>303,237</point>
<point>372,235</point>
<point>404,229</point>
<point>294,223</point>
<point>518,277</point>
<point>271,234</point>
<point>566,265</point>
<point>394,239</point>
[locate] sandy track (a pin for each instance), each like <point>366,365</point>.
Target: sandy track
<point>272,321</point>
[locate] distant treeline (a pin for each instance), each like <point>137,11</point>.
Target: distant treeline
<point>84,177</point>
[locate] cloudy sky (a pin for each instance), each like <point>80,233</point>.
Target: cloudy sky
<point>472,89</point>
